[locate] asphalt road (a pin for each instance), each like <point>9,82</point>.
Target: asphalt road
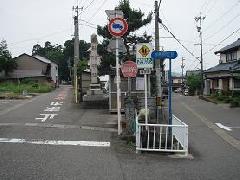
<point>213,156</point>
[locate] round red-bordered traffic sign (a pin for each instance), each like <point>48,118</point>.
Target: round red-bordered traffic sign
<point>129,69</point>
<point>117,27</point>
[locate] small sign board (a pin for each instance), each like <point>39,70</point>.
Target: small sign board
<point>129,69</point>
<point>164,54</point>
<point>143,55</point>
<point>139,83</point>
<point>145,71</point>
<point>114,13</point>
<point>112,46</point>
<point>117,27</point>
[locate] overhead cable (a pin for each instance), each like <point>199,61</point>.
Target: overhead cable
<point>221,41</point>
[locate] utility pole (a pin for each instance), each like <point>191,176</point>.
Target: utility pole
<point>182,67</point>
<point>199,29</point>
<point>76,53</point>
<point>157,62</point>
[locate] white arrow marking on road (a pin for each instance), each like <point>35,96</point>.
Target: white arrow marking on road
<point>223,127</point>
<point>53,142</point>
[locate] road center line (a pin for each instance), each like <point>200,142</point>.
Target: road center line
<point>56,142</point>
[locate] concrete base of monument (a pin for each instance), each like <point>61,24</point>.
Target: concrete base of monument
<point>95,97</point>
<point>95,87</point>
<point>95,94</point>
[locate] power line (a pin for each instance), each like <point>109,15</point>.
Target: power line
<point>223,27</point>
<point>88,5</point>
<point>224,14</point>
<point>205,4</point>
<point>98,10</point>
<point>166,28</point>
<point>88,26</point>
<point>213,4</point>
<point>221,41</point>
<point>41,37</point>
<point>87,22</point>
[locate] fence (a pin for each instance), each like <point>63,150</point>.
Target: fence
<point>162,137</point>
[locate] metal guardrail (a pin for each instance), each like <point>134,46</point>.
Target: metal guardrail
<point>162,137</point>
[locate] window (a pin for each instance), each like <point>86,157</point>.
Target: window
<point>215,83</point>
<point>234,55</point>
<point>236,83</point>
<point>231,56</point>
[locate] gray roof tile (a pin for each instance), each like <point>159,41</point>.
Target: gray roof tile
<point>235,65</point>
<point>234,45</point>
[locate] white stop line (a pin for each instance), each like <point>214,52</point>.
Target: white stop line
<point>55,142</point>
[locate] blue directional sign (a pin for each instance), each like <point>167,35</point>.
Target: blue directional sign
<point>164,54</point>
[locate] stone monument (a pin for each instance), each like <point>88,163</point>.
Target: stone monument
<point>95,92</point>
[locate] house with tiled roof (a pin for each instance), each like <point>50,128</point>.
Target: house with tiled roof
<point>37,68</point>
<point>225,76</point>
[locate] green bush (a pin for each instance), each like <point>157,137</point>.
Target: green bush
<point>222,98</point>
<point>235,103</point>
<point>229,100</point>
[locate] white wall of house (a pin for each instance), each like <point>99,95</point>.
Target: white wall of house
<point>230,83</point>
<point>223,58</point>
<point>238,54</point>
<point>220,84</point>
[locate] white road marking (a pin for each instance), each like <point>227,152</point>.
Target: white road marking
<point>46,116</point>
<point>223,127</point>
<point>59,126</point>
<point>226,137</point>
<point>56,142</point>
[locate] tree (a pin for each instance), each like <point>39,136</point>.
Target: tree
<point>135,21</point>
<point>62,55</point>
<point>194,83</point>
<point>69,51</point>
<point>7,63</point>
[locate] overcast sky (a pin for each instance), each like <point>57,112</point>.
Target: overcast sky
<point>28,22</point>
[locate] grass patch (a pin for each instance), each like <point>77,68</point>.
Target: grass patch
<point>30,87</point>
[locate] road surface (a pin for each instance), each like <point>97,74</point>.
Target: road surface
<point>49,137</point>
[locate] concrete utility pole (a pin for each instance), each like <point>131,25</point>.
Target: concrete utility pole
<point>157,62</point>
<point>182,67</point>
<point>199,29</point>
<point>76,53</point>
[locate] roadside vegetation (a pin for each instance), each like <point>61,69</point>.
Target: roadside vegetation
<point>194,84</point>
<point>232,99</point>
<point>21,89</point>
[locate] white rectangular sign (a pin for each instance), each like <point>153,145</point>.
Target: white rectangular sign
<point>145,71</point>
<point>139,83</point>
<point>143,55</point>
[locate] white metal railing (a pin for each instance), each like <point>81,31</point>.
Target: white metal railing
<point>162,137</point>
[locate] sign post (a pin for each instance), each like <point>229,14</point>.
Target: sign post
<point>167,55</point>
<point>145,72</point>
<point>145,63</point>
<point>117,27</point>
